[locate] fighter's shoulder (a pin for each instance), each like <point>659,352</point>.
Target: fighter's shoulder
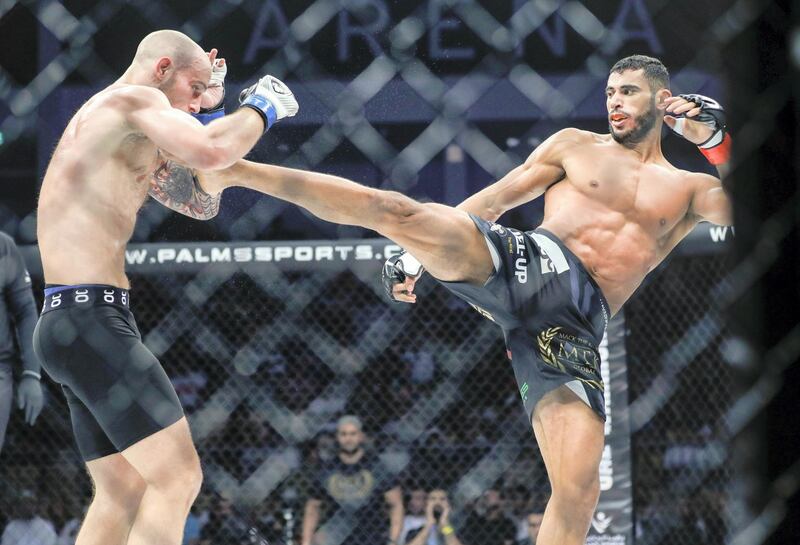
<point>560,144</point>
<point>138,96</point>
<point>126,98</point>
<point>573,136</point>
<point>697,180</point>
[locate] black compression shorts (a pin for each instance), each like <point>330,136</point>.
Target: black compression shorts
<point>552,313</point>
<point>116,389</point>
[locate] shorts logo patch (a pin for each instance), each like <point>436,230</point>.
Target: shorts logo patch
<point>521,262</point>
<point>545,350</point>
<point>499,229</point>
<point>523,391</point>
<point>553,259</point>
<point>572,355</point>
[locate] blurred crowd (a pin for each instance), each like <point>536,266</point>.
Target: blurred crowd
<point>412,446</point>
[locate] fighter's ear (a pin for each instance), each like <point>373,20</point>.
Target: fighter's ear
<point>163,66</point>
<point>661,96</point>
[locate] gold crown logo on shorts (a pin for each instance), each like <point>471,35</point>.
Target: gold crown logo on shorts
<point>545,350</point>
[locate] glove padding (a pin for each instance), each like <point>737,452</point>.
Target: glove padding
<point>711,114</point>
<point>218,72</point>
<point>396,269</point>
<point>271,98</point>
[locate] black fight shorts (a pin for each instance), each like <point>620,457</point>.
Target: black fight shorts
<point>552,313</point>
<point>116,389</point>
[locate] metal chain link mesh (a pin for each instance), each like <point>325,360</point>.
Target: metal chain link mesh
<point>264,364</point>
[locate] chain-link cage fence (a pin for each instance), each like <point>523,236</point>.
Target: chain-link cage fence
<point>266,361</point>
<point>434,99</point>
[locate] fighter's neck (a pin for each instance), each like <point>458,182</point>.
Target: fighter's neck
<point>649,149</point>
<point>132,76</point>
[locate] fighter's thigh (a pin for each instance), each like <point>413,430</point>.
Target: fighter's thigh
<point>444,239</point>
<point>118,380</point>
<point>177,458</point>
<point>92,441</point>
<point>570,437</point>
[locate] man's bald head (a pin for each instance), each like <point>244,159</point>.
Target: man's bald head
<point>179,47</point>
<point>172,62</point>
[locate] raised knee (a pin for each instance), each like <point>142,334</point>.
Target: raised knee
<point>395,208</point>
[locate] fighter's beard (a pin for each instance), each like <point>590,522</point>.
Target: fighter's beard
<point>644,124</point>
<point>349,452</point>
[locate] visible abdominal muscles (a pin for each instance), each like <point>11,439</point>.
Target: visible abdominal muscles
<point>618,259</point>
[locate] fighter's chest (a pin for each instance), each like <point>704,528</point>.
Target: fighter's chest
<point>647,191</point>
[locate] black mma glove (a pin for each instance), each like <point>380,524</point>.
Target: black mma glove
<point>396,269</point>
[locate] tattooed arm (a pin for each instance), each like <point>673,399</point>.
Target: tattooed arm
<point>177,187</point>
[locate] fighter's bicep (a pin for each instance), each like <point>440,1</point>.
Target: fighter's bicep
<point>172,130</point>
<point>710,202</point>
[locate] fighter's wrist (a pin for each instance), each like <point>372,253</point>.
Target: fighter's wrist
<point>28,373</point>
<point>719,154</point>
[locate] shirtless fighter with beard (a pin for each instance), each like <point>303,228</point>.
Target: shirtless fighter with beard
<point>614,208</point>
<point>127,420</point>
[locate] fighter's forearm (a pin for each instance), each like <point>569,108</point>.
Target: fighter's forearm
<point>481,205</point>
<point>233,136</point>
<point>328,197</point>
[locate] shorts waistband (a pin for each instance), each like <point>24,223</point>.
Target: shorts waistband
<point>575,259</point>
<point>88,295</point>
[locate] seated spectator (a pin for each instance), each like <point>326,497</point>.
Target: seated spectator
<point>415,512</point>
<point>26,527</point>
<point>223,525</point>
<point>534,523</point>
<point>487,525</point>
<point>437,529</point>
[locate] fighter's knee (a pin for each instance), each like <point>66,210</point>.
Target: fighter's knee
<point>125,494</point>
<point>182,480</point>
<point>580,496</point>
<point>395,209</point>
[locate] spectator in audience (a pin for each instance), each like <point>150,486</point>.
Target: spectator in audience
<point>487,525</point>
<point>533,522</point>
<point>223,525</point>
<point>518,505</point>
<point>353,491</point>
<point>73,508</point>
<point>26,527</point>
<point>414,512</point>
<point>437,529</point>
<point>197,519</point>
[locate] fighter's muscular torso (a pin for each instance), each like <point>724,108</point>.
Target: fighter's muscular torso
<point>621,216</point>
<point>98,178</point>
<point>95,184</point>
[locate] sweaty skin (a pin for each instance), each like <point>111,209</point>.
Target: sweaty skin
<point>613,199</point>
<point>620,215</point>
<point>108,159</point>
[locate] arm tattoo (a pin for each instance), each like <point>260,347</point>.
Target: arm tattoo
<point>177,187</point>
